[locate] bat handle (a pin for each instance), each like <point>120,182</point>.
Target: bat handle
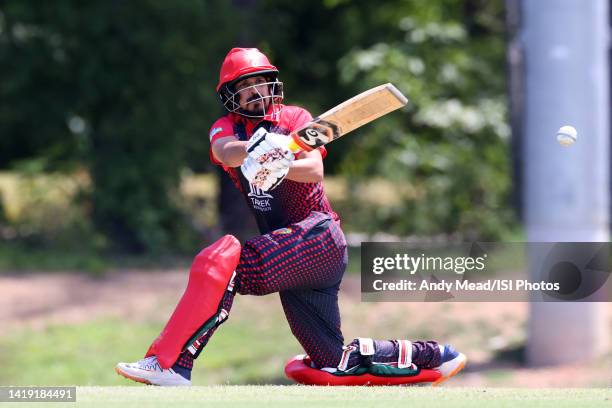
<point>294,147</point>
<point>297,146</point>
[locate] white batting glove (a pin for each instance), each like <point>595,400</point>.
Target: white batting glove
<point>271,150</point>
<point>259,176</point>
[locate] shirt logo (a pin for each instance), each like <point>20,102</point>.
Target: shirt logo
<point>215,131</point>
<point>259,199</point>
<point>282,231</point>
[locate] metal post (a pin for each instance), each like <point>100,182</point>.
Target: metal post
<point>566,190</point>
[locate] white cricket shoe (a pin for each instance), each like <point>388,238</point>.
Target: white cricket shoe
<point>452,363</point>
<point>148,371</point>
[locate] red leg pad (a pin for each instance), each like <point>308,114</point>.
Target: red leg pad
<point>209,277</point>
<point>299,370</point>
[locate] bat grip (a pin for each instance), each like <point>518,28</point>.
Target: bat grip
<point>294,147</point>
<point>297,146</point>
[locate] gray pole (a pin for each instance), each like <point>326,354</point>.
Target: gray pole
<point>566,190</point>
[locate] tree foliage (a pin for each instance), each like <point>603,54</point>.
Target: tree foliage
<point>125,90</point>
<point>452,148</point>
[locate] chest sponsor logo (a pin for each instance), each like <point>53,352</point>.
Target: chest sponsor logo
<point>282,231</point>
<point>260,199</point>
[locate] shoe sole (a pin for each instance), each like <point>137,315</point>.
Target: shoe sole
<point>142,380</point>
<point>131,377</point>
<point>452,373</point>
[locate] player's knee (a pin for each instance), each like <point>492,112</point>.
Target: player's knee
<point>209,254</point>
<point>219,258</point>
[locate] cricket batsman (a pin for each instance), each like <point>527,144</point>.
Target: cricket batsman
<point>301,254</point>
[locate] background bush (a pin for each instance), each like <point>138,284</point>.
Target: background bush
<point>123,93</point>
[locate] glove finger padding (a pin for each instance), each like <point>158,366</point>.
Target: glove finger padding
<point>249,169</point>
<point>253,172</point>
<point>271,150</point>
<point>280,164</point>
<point>260,176</point>
<point>273,158</point>
<point>274,179</point>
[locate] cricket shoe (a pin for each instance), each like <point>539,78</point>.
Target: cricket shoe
<point>452,363</point>
<point>148,371</point>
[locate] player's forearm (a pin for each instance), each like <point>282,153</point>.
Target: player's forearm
<point>231,154</point>
<point>307,170</point>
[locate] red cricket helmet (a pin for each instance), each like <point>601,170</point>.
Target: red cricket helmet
<point>241,62</point>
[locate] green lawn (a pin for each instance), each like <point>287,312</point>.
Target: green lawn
<point>85,354</point>
<point>253,346</point>
<point>300,396</point>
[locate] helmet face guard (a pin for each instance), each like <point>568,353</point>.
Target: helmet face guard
<point>270,104</point>
<point>243,63</point>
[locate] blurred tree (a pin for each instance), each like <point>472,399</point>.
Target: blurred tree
<point>123,87</point>
<point>448,56</point>
<point>127,89</point>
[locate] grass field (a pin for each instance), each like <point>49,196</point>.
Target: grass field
<point>85,354</point>
<point>300,396</point>
<point>66,329</point>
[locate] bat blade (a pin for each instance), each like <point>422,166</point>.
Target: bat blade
<point>348,116</point>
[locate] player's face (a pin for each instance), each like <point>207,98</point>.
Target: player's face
<point>253,94</point>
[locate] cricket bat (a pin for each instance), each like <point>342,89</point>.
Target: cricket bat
<point>346,117</point>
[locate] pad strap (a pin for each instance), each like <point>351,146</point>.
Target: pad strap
<point>346,354</point>
<point>366,346</point>
<point>404,359</point>
<point>194,348</point>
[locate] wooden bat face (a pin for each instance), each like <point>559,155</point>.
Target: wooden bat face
<point>348,116</point>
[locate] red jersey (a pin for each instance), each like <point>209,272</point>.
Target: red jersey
<point>291,201</point>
